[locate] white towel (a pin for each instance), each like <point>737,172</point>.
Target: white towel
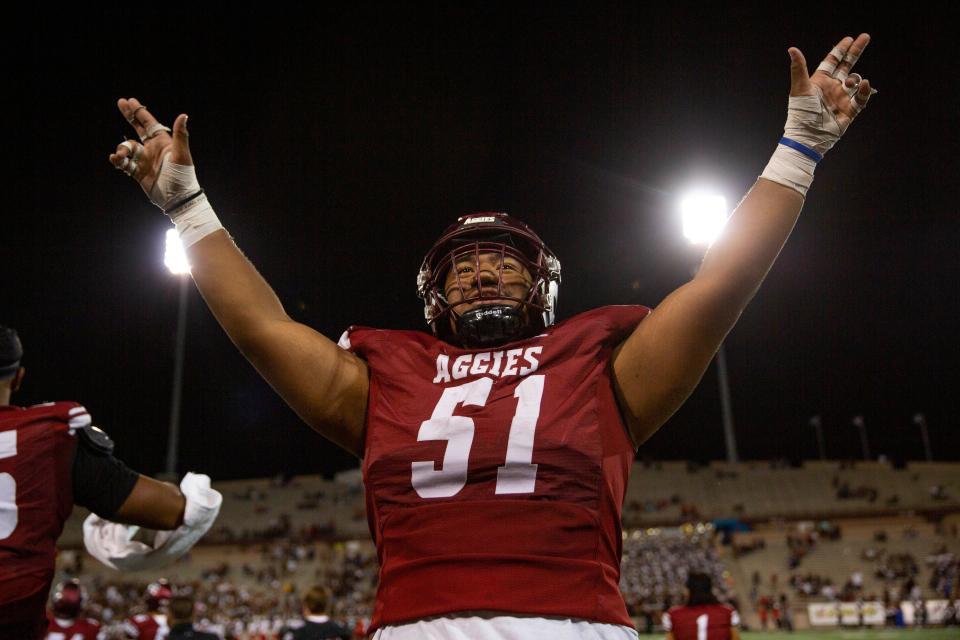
<point>112,543</point>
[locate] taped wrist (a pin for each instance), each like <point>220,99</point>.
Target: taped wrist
<point>810,131</point>
<point>790,168</point>
<point>195,219</point>
<point>178,193</point>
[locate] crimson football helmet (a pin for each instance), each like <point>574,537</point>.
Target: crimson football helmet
<point>68,600</point>
<point>158,594</point>
<point>489,324</point>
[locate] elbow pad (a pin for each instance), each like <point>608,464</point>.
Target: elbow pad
<point>112,543</point>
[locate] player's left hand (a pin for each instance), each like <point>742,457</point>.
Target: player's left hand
<point>158,154</point>
<point>843,93</point>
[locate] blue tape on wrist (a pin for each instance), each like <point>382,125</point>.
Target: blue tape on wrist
<point>802,148</point>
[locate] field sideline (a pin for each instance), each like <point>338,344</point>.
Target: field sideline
<point>951,633</point>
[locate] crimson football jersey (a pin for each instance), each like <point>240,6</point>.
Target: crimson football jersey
<point>36,497</point>
<point>495,477</point>
<point>79,629</point>
<point>147,626</point>
<point>701,622</point>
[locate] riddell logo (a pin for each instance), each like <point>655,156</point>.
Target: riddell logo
<point>480,219</point>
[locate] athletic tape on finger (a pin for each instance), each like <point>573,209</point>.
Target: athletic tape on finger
<point>851,58</point>
<point>154,130</point>
<point>828,65</point>
<point>857,104</point>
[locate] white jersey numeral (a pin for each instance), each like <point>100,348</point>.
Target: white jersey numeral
<point>8,487</point>
<point>517,475</point>
<point>451,477</point>
<point>701,627</point>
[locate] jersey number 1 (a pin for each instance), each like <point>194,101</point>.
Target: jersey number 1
<point>702,627</point>
<point>517,475</point>
<point>8,486</point>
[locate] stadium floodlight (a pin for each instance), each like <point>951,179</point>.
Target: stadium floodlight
<point>703,215</point>
<point>176,260</point>
<point>175,257</point>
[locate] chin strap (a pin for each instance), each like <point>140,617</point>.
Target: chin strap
<point>491,325</point>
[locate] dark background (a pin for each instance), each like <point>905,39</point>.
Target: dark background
<point>335,145</point>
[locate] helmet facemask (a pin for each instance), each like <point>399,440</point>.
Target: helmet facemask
<point>491,259</point>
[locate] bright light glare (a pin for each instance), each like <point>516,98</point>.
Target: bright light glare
<point>174,257</point>
<point>703,217</point>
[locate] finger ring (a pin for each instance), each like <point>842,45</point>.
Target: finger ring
<point>133,116</point>
<point>852,89</point>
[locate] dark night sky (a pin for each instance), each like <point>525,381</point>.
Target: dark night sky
<point>335,146</point>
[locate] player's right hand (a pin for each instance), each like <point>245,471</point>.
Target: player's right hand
<point>143,160</point>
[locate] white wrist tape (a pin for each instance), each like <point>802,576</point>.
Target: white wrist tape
<point>810,131</point>
<point>195,220</point>
<point>790,168</point>
<point>177,183</point>
<point>112,543</point>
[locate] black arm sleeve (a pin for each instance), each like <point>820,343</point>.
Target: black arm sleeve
<point>101,483</point>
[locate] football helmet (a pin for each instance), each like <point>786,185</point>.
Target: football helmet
<point>489,324</point>
<point>158,594</point>
<point>11,351</point>
<point>68,600</point>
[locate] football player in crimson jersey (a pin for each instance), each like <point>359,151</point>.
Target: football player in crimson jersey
<point>496,451</point>
<point>152,625</point>
<point>65,620</point>
<point>52,457</point>
<point>703,617</point>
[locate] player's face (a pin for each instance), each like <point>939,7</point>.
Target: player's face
<point>462,283</point>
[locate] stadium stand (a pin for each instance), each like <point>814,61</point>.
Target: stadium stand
<point>815,533</point>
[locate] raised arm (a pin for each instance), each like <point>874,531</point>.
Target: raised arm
<point>324,384</point>
<point>661,363</point>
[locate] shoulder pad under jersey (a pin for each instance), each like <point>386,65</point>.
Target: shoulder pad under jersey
<point>96,440</point>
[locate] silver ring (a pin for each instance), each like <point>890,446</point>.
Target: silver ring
<point>852,90</point>
<point>133,116</point>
